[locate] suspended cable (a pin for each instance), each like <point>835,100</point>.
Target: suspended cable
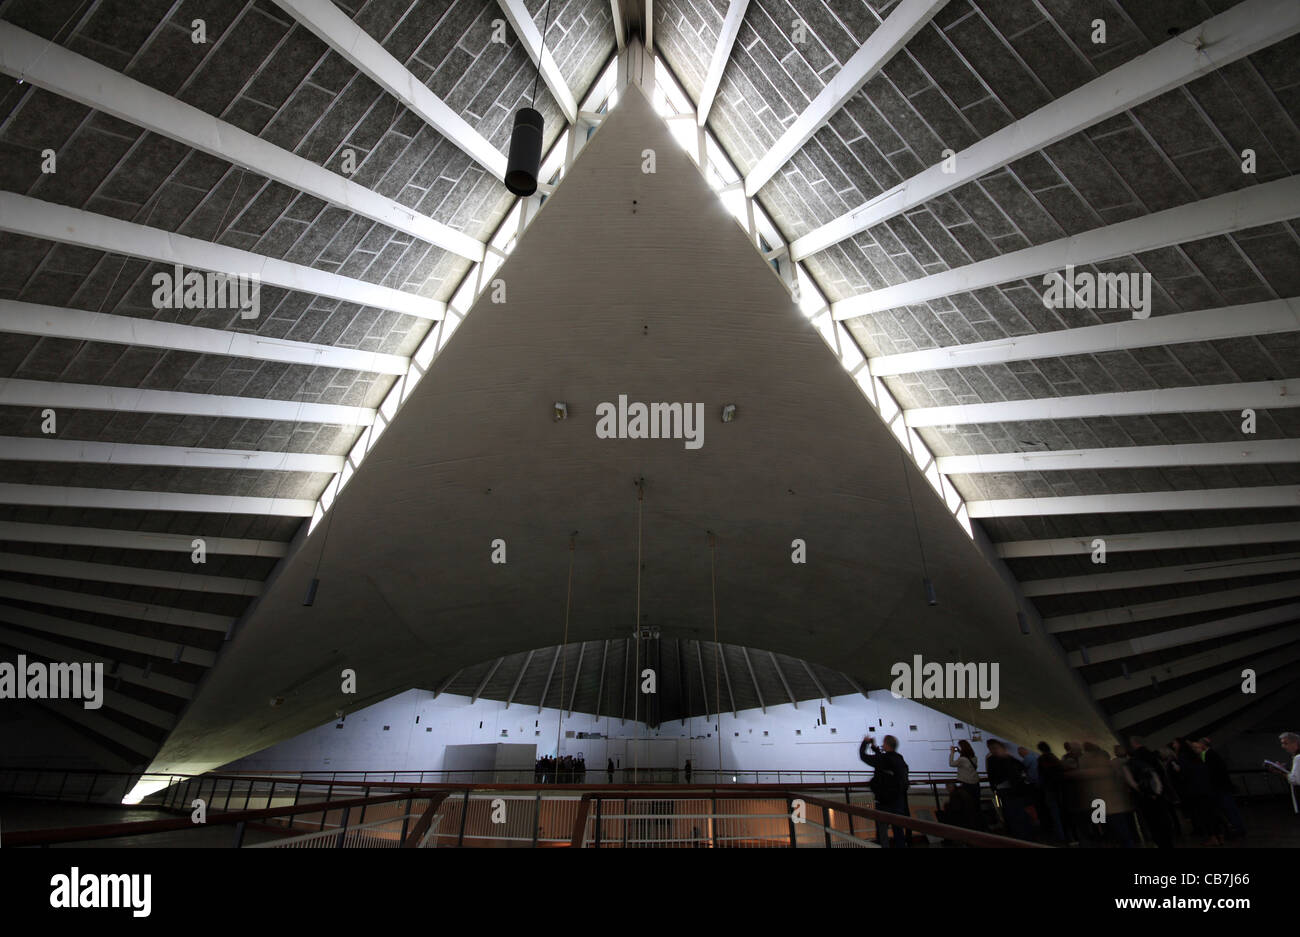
<point>564,646</point>
<point>717,648</point>
<point>636,630</point>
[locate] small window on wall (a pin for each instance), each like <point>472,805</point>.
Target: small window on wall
<point>765,732</point>
<point>505,732</point>
<point>386,728</point>
<point>958,725</point>
<point>417,720</point>
<point>736,734</point>
<point>537,732</point>
<point>832,731</point>
<point>339,726</point>
<point>798,731</point>
<point>430,729</point>
<point>911,728</point>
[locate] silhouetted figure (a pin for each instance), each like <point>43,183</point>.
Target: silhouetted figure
<point>687,771</point>
<point>888,783</point>
<point>1153,794</point>
<point>609,771</point>
<point>1198,795</point>
<point>1051,784</point>
<point>1007,779</point>
<point>1221,786</point>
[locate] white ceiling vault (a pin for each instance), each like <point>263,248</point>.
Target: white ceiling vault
<point>349,153</point>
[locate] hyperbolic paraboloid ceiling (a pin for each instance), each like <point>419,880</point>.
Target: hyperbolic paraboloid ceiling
<point>1054,430</point>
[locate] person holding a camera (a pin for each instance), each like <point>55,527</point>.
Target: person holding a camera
<point>888,783</point>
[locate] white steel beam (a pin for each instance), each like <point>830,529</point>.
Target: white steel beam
<point>486,677</point>
<point>108,637</point>
<point>785,683</point>
<point>132,575</point>
<point>1246,28</point>
<point>620,28</point>
<point>137,539</point>
<point>1131,647</point>
<point>1268,496</point>
<point>16,392</point>
<point>731,697</point>
<point>531,38</point>
<point>125,500</point>
<point>1155,540</point>
<point>754,678</point>
<point>906,20</point>
<point>65,73</point>
<point>1195,692</point>
<point>1208,453</point>
<point>1216,711</point>
<point>541,702</point>
<point>1195,663</point>
<point>577,672</point>
<point>341,33</point>
<point>1257,395</point>
<point>49,449</point>
<point>31,217</point>
<point>1204,325</point>
<point>1164,575</point>
<point>1167,608</point>
<point>1253,206</point>
<point>129,673</point>
<point>518,678</point>
<point>721,55</point>
<point>56,322</point>
<point>817,683</point>
<point>95,721</point>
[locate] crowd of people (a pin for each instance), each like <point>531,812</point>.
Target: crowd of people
<point>567,769</point>
<point>1086,796</point>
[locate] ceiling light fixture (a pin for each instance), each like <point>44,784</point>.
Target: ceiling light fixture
<point>525,158</point>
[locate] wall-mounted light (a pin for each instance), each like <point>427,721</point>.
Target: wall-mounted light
<point>310,597</point>
<point>931,597</point>
<point>728,413</point>
<point>1024,622</point>
<point>561,411</point>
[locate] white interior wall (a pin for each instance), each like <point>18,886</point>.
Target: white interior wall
<point>411,731</point>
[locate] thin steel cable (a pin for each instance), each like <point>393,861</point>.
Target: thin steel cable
<point>636,629</point>
<point>546,24</point>
<point>564,663</point>
<point>717,648</point>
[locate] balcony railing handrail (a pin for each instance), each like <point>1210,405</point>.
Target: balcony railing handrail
<point>74,834</point>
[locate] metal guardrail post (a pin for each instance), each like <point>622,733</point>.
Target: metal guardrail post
<point>789,817</point>
<point>464,815</point>
<point>62,785</point>
<point>270,795</point>
<point>90,792</point>
<point>537,818</point>
<point>848,800</point>
<point>365,793</point>
<point>343,828</point>
<point>406,819</point>
<point>599,801</point>
<point>826,826</point>
<point>239,834</point>
<point>229,792</point>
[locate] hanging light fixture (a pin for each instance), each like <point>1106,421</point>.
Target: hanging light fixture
<point>525,160</point>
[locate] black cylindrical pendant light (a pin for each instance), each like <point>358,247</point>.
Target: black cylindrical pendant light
<point>525,153</point>
<point>525,160</point>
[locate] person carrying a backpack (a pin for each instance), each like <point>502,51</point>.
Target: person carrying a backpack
<point>888,783</point>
